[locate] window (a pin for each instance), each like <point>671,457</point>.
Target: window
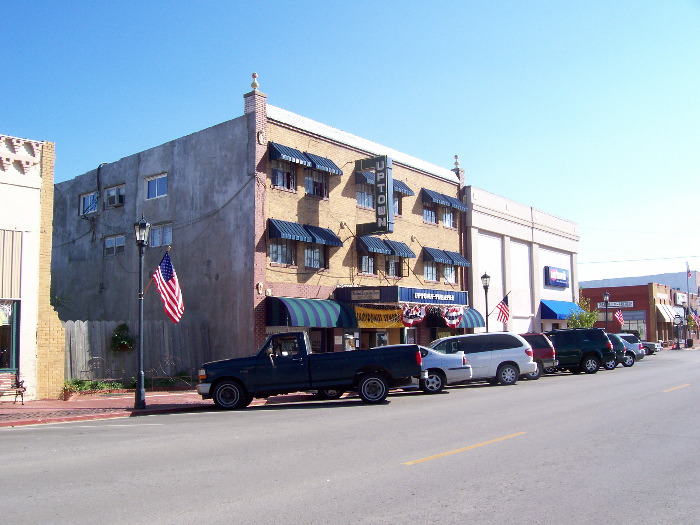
<point>114,245</point>
<point>115,196</point>
<point>283,251</point>
<point>394,266</point>
<point>157,186</point>
<point>430,271</point>
<point>161,235</point>
<point>449,272</point>
<point>315,256</point>
<point>365,195</point>
<point>9,335</point>
<point>429,214</point>
<point>398,201</point>
<point>284,175</point>
<point>366,263</point>
<point>448,217</point>
<point>88,203</point>
<point>316,183</point>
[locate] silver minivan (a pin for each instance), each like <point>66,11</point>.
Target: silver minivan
<point>499,357</point>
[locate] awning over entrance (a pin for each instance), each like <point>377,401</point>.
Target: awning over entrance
<point>317,313</point>
<point>280,152</point>
<point>471,319</point>
<point>400,249</point>
<point>369,243</point>
<point>433,254</point>
<point>558,309</point>
<point>323,164</point>
<point>666,312</point>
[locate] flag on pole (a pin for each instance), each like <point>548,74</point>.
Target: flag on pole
<point>169,288</point>
<point>695,316</point>
<point>620,318</point>
<point>687,267</point>
<point>503,310</point>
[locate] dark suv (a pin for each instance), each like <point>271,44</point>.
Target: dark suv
<point>582,349</point>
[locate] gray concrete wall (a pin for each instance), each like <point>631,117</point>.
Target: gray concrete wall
<point>210,203</point>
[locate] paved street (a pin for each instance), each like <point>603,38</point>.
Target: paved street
<point>614,447</point>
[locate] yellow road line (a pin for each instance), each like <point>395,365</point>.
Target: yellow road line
<point>464,449</point>
<point>676,388</point>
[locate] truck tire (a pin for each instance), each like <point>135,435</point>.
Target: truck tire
<point>434,383</point>
<point>590,364</point>
<point>373,388</point>
<point>231,395</point>
<point>330,393</point>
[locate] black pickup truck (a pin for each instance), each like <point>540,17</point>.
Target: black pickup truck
<point>286,364</point>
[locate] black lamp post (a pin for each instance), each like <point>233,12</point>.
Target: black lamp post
<point>485,280</point>
<point>141,230</point>
<point>606,298</point>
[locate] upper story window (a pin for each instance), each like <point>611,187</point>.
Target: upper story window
<point>88,203</point>
<point>283,251</point>
<point>157,186</point>
<point>366,263</point>
<point>365,195</point>
<point>448,271</point>
<point>315,256</point>
<point>394,266</point>
<point>114,245</point>
<point>316,183</point>
<point>448,217</point>
<point>430,271</point>
<point>429,214</point>
<point>115,196</point>
<point>398,204</point>
<point>161,235</point>
<point>284,175</point>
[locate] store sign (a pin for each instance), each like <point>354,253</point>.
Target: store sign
<point>556,277</point>
<point>383,192</point>
<point>365,295</point>
<point>617,304</point>
<point>378,318</point>
<point>681,299</point>
<point>427,296</point>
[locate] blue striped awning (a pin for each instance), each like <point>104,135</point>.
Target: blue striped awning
<point>369,243</point>
<point>317,313</point>
<point>400,249</point>
<point>288,230</point>
<point>433,254</point>
<point>280,152</point>
<point>323,164</point>
<point>457,258</point>
<point>323,235</point>
<point>442,200</point>
<point>401,187</point>
<point>471,319</point>
<point>364,177</point>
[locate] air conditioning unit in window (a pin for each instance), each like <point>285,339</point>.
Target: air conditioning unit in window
<point>115,200</point>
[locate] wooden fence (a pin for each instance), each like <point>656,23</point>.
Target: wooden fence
<point>169,349</point>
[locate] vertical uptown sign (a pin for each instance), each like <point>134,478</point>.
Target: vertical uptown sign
<point>383,193</point>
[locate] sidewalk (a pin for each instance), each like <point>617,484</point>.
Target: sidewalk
<point>113,405</point>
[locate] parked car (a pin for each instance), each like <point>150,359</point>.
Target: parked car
<point>635,348</point>
<point>620,350</point>
<point>543,354</point>
<point>651,347</point>
<point>498,357</point>
<point>443,369</point>
<point>582,349</point>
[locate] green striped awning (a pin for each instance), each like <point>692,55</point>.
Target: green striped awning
<point>316,313</point>
<point>471,319</point>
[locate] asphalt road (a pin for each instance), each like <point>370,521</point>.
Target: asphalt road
<point>618,447</point>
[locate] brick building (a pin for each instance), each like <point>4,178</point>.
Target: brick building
<point>31,335</point>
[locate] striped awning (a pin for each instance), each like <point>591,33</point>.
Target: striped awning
<point>401,187</point>
<point>457,258</point>
<point>280,152</point>
<point>364,177</point>
<point>433,254</point>
<point>666,312</point>
<point>471,319</point>
<point>316,313</point>
<point>442,200</point>
<point>288,230</point>
<point>400,249</point>
<point>323,164</point>
<point>323,235</point>
<point>369,243</point>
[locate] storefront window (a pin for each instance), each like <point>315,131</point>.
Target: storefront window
<point>9,331</point>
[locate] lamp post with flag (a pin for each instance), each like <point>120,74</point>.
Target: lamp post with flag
<point>141,230</point>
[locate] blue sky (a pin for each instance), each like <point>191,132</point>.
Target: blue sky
<point>586,110</point>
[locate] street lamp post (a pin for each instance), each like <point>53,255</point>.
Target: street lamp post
<point>606,298</point>
<point>141,230</point>
<point>485,280</point>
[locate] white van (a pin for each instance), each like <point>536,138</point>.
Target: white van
<point>500,357</point>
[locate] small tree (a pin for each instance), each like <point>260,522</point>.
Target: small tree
<point>584,319</point>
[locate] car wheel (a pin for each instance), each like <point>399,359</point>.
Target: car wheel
<point>610,364</point>
<point>507,374</point>
<point>590,364</point>
<point>629,359</point>
<point>434,383</point>
<point>231,395</point>
<point>533,376</point>
<point>330,393</point>
<point>372,388</point>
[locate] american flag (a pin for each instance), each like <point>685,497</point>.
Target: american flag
<point>695,316</point>
<point>503,310</point>
<point>620,318</point>
<point>687,267</point>
<point>166,282</point>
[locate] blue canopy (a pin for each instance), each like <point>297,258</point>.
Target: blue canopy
<point>558,309</point>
